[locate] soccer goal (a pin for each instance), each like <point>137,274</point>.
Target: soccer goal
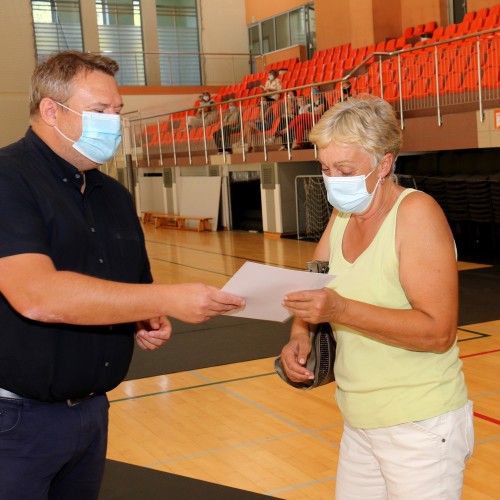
<point>312,207</point>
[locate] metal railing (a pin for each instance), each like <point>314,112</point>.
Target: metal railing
<point>418,78</point>
<point>180,68</point>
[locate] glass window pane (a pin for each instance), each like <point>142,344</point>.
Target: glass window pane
<point>282,31</point>
<point>120,35</point>
<point>178,32</point>
<point>254,42</point>
<point>57,26</point>
<point>297,27</point>
<point>268,43</point>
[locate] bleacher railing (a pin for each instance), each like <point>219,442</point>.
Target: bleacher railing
<point>430,76</point>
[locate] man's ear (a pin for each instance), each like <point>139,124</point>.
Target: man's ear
<point>48,110</point>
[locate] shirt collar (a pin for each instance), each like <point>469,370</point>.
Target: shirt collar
<point>62,169</point>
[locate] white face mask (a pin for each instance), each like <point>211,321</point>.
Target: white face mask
<point>349,194</point>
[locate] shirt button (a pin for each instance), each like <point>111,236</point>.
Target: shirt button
<point>107,363</point>
<point>92,229</point>
<point>65,180</point>
<point>101,261</point>
<point>77,176</point>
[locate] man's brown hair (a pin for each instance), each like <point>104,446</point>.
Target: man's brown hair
<point>53,77</point>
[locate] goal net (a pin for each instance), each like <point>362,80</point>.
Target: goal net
<point>313,209</point>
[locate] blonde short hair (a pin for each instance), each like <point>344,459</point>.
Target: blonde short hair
<point>365,121</point>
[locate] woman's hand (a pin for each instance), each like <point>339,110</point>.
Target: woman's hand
<point>315,306</point>
<point>294,357</point>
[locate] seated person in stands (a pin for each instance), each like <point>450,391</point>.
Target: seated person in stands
<point>346,90</point>
<point>207,107</point>
<point>255,129</point>
<point>230,125</point>
<point>292,104</point>
<point>304,121</point>
<point>273,82</point>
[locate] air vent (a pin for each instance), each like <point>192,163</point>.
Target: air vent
<point>167,177</point>
<point>267,176</point>
<point>214,171</point>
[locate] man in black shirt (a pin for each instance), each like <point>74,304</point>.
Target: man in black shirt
<point>75,284</point>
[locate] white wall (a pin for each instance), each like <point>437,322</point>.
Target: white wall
<point>223,30</point>
<point>17,60</point>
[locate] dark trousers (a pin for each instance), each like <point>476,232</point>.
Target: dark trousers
<point>228,131</point>
<point>49,451</point>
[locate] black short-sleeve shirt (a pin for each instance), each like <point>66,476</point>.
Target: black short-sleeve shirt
<point>97,233</point>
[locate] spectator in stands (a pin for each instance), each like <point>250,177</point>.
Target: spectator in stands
<point>292,104</point>
<point>75,284</point>
<point>230,126</point>
<point>208,108</point>
<point>258,128</point>
<point>307,117</point>
<point>346,90</point>
<point>393,304</point>
<point>273,83</point>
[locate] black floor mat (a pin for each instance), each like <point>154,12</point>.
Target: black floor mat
<point>128,482</point>
<point>219,341</point>
<point>479,295</point>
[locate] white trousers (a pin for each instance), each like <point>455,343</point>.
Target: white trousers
<point>422,460</point>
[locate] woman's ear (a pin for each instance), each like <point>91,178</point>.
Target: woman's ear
<point>386,165</point>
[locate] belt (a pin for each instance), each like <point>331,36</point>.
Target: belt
<point>5,394</point>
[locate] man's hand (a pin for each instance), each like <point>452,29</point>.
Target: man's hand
<point>154,333</point>
<point>196,302</point>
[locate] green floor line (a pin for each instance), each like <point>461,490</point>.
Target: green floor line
<point>191,387</point>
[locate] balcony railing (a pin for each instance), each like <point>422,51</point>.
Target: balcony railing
<point>431,77</point>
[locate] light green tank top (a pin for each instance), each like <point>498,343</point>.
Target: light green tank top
<point>379,385</point>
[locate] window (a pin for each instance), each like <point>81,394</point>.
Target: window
<point>283,31</point>
<point>57,26</point>
<point>296,27</point>
<point>120,35</point>
<point>268,36</point>
<point>178,32</point>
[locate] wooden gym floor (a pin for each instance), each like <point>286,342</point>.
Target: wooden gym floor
<point>238,425</point>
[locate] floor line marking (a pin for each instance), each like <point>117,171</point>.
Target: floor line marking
<point>487,418</point>
<point>479,353</point>
<point>273,414</point>
<point>130,398</point>
<point>220,450</point>
<point>219,253</point>
<point>300,486</point>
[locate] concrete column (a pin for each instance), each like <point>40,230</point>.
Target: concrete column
<point>90,32</point>
<point>150,41</point>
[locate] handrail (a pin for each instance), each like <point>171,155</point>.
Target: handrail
<point>361,68</point>
<point>351,74</point>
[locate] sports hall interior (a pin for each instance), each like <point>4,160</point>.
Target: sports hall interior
<point>206,416</point>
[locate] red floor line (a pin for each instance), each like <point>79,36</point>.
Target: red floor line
<point>479,353</point>
<point>485,417</point>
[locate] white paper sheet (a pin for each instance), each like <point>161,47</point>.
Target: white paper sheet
<point>263,288</point>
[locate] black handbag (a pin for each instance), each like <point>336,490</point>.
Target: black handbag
<point>321,359</point>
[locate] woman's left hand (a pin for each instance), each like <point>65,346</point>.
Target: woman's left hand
<point>315,306</point>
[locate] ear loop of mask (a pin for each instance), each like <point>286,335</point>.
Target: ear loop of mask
<point>73,111</point>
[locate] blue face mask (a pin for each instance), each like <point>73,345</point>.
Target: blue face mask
<point>349,194</point>
<point>101,135</point>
